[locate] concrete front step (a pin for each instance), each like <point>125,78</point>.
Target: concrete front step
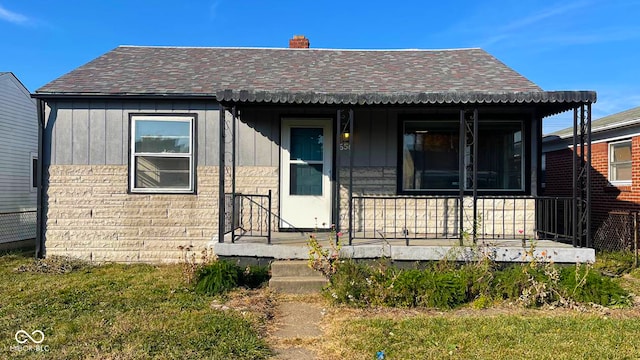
<point>295,277</point>
<point>297,284</point>
<point>293,268</point>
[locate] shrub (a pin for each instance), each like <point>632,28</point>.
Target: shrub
<point>447,287</point>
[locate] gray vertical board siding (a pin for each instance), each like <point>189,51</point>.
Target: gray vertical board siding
<point>116,141</point>
<point>265,140</point>
<point>18,140</point>
<point>246,139</point>
<point>392,140</point>
<point>97,133</point>
<point>378,140</point>
<point>200,128</point>
<point>258,138</point>
<point>361,138</point>
<point>97,126</point>
<point>212,134</point>
<point>275,137</point>
<point>80,133</point>
<point>63,133</point>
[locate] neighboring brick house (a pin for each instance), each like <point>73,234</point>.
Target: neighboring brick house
<point>398,144</point>
<point>615,172</point>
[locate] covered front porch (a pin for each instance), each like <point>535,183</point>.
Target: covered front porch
<point>400,208</point>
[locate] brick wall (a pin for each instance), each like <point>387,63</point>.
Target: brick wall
<point>604,196</point>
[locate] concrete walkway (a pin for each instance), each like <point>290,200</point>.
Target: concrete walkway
<point>297,325</point>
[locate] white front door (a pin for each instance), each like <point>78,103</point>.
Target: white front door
<point>305,173</point>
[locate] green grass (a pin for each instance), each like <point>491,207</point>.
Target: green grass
<point>118,311</point>
<point>489,337</point>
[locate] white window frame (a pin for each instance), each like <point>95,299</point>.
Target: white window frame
<point>33,156</point>
<point>190,118</point>
<point>610,162</point>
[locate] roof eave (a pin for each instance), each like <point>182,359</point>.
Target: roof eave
<point>102,96</point>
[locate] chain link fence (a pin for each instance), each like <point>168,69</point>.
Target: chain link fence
<point>17,226</point>
<point>618,232</point>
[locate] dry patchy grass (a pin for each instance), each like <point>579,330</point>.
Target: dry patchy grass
<point>117,311</point>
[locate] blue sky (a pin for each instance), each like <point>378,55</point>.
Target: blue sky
<point>560,45</point>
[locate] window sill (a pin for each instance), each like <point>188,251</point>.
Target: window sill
<point>161,192</point>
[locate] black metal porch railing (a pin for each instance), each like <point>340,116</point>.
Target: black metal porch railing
<point>251,215</point>
<point>405,217</point>
<point>554,218</point>
<point>442,217</point>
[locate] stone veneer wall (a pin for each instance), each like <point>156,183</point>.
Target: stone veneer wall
<point>89,215</point>
<point>432,216</point>
<point>258,180</point>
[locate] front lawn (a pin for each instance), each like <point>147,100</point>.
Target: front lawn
<point>482,335</point>
<point>116,311</point>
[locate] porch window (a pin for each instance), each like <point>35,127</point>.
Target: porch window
<point>162,153</point>
<point>620,163</point>
<point>500,155</point>
<point>430,156</point>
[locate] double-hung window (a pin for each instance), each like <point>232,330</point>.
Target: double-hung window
<point>620,163</point>
<point>162,153</point>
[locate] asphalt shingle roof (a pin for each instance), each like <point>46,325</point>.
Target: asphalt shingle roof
<point>206,71</point>
<point>318,76</point>
<point>623,118</point>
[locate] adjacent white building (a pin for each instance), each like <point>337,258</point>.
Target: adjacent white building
<point>18,163</point>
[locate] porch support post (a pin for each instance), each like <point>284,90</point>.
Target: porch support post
<point>221,177</point>
<point>233,173</point>
<point>588,184</point>
<point>351,147</point>
<point>337,170</point>
<point>461,175</point>
<point>535,136</point>
<point>583,180</point>
<point>574,165</point>
<point>474,161</point>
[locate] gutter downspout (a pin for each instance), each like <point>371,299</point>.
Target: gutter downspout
<point>40,250</point>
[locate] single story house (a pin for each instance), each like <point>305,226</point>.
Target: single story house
<point>147,150</point>
<point>615,174</point>
<point>18,163</point>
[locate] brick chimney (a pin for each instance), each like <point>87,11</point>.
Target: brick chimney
<point>299,42</point>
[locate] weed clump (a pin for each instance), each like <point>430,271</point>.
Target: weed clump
<point>221,276</point>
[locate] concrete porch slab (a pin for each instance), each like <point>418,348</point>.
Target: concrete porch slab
<point>294,247</point>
